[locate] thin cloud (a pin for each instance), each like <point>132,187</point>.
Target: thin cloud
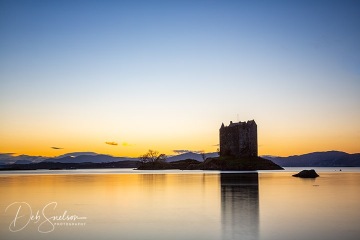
<point>7,154</point>
<point>111,143</point>
<point>57,148</point>
<point>200,151</point>
<point>182,151</point>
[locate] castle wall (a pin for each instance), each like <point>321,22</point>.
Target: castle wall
<point>239,139</point>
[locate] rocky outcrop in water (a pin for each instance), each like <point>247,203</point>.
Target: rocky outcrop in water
<point>306,174</point>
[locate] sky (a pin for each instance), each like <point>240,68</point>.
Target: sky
<point>122,77</point>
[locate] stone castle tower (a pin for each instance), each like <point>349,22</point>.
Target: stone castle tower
<point>239,139</point>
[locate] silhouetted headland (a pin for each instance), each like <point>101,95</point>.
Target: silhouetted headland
<point>219,163</point>
<point>60,166</point>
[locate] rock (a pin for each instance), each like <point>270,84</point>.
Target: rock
<point>307,174</point>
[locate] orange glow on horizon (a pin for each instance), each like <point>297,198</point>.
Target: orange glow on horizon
<point>274,138</point>
<point>267,146</point>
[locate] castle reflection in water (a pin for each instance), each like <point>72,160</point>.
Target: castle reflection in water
<point>240,205</point>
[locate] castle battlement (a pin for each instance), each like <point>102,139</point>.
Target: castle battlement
<point>239,139</point>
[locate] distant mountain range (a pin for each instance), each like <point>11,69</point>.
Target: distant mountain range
<point>9,158</point>
<point>82,157</point>
<point>98,158</point>
<point>316,159</point>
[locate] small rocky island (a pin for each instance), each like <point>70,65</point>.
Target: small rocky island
<point>306,174</point>
<point>238,152</point>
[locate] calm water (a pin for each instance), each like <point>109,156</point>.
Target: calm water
<point>127,204</point>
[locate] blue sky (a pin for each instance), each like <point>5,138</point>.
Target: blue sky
<point>165,74</point>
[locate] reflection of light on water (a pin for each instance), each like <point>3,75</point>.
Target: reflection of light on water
<point>240,205</point>
<point>120,206</point>
<point>161,205</point>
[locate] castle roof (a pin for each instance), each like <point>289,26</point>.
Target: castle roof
<point>239,123</point>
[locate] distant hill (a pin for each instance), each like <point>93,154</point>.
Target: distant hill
<point>97,158</point>
<point>22,162</point>
<point>11,158</point>
<point>82,157</point>
<point>76,154</point>
<point>318,159</point>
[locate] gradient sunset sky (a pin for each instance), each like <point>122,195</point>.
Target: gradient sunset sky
<point>164,75</point>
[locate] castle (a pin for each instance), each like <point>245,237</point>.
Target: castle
<point>239,139</point>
